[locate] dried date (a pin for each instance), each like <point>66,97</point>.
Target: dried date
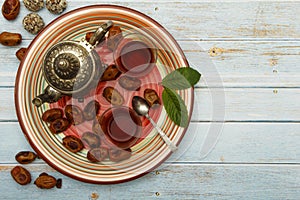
<point>117,155</point>
<point>72,143</point>
<point>11,9</point>
<point>130,83</point>
<point>97,154</point>
<point>10,39</point>
<point>45,181</point>
<point>59,125</point>
<point>91,139</point>
<point>91,110</point>
<point>74,114</point>
<point>114,37</point>
<point>113,96</point>
<point>151,97</point>
<point>25,157</point>
<point>52,114</point>
<point>21,175</point>
<point>21,53</point>
<point>110,73</point>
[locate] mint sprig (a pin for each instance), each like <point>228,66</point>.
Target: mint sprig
<point>182,78</point>
<point>179,79</point>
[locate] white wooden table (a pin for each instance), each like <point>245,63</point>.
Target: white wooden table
<point>255,48</point>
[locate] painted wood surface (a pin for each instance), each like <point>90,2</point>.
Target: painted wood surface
<point>237,64</point>
<point>248,54</point>
<point>178,181</point>
<point>238,104</point>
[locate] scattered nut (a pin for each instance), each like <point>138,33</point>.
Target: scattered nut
<point>33,23</point>
<point>113,96</point>
<point>114,37</point>
<point>72,143</point>
<point>117,155</point>
<point>91,139</point>
<point>91,110</point>
<point>52,114</point>
<point>45,181</point>
<point>59,125</point>
<point>56,6</point>
<point>110,73</point>
<point>10,39</point>
<point>21,53</point>
<point>74,114</point>
<point>34,5</point>
<point>97,154</point>
<point>130,83</point>
<point>21,175</point>
<point>25,157</point>
<point>11,9</point>
<point>151,97</point>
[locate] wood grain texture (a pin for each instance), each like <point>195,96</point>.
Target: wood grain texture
<point>202,20</point>
<point>215,104</point>
<point>248,54</point>
<point>238,143</point>
<point>201,181</point>
<point>222,64</point>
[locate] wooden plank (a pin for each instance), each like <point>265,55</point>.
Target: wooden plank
<point>217,104</point>
<point>201,20</point>
<point>238,143</point>
<point>202,181</point>
<point>222,64</point>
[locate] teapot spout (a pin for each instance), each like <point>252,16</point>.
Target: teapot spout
<point>50,95</point>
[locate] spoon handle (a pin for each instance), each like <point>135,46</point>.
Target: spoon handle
<point>163,135</point>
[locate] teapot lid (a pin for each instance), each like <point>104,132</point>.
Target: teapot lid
<point>68,67</point>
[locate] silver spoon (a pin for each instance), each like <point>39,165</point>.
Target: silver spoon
<point>141,107</point>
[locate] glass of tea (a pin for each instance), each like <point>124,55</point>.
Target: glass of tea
<point>135,55</point>
<point>121,126</point>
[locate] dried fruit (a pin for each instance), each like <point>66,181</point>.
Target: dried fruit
<point>25,157</point>
<point>113,96</point>
<point>114,37</point>
<point>91,110</point>
<point>97,127</point>
<point>74,114</point>
<point>21,53</point>
<point>34,5</point>
<point>151,97</point>
<point>110,73</point>
<point>33,23</point>
<point>91,139</point>
<point>11,9</point>
<point>10,39</point>
<point>52,114</point>
<point>45,181</point>
<point>21,175</point>
<point>59,125</point>
<point>59,183</point>
<point>72,143</point>
<point>117,155</point>
<point>88,36</point>
<point>56,6</point>
<point>97,154</point>
<point>130,83</point>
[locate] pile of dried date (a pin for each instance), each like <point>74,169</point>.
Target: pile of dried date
<point>22,176</point>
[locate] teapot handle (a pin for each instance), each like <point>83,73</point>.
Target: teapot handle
<point>98,36</point>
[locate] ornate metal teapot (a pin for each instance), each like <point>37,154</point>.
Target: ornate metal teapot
<point>72,68</point>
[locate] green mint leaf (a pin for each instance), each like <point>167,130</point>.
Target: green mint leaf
<point>175,107</point>
<point>181,78</point>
